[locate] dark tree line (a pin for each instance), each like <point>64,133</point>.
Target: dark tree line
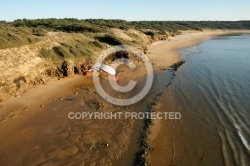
<point>100,25</point>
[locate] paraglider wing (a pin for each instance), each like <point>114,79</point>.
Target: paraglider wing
<point>108,69</point>
<point>96,67</point>
<point>104,68</point>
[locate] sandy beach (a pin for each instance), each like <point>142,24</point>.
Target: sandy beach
<point>35,128</point>
<point>164,53</point>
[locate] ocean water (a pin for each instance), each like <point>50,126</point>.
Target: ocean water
<point>212,91</point>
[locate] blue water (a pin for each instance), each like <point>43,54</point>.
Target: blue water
<point>212,90</point>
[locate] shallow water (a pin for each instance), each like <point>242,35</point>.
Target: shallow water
<point>212,91</point>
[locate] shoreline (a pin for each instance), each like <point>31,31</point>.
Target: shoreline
<point>155,125</point>
<point>32,100</point>
<point>167,140</point>
<point>185,40</point>
<point>158,48</point>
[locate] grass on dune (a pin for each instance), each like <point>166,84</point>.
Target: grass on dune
<point>73,49</point>
<point>18,36</point>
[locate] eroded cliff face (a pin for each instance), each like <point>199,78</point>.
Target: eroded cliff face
<point>59,54</point>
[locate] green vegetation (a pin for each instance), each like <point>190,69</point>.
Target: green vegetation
<point>109,39</point>
<point>98,33</point>
<point>101,25</point>
<point>74,48</point>
<point>11,36</point>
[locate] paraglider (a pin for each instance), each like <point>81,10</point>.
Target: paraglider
<point>105,68</point>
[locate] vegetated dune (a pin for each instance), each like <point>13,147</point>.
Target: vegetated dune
<point>33,50</point>
<point>55,54</point>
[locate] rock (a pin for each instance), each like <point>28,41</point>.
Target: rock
<point>68,68</point>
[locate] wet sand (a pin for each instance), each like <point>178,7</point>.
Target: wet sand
<point>35,128</point>
<point>198,138</point>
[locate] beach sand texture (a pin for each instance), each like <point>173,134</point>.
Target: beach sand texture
<point>35,128</point>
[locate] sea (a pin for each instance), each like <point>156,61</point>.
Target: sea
<point>212,92</point>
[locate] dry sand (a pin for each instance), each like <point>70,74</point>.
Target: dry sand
<point>35,129</point>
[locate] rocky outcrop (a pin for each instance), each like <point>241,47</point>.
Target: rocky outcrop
<point>68,68</point>
<point>19,84</point>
